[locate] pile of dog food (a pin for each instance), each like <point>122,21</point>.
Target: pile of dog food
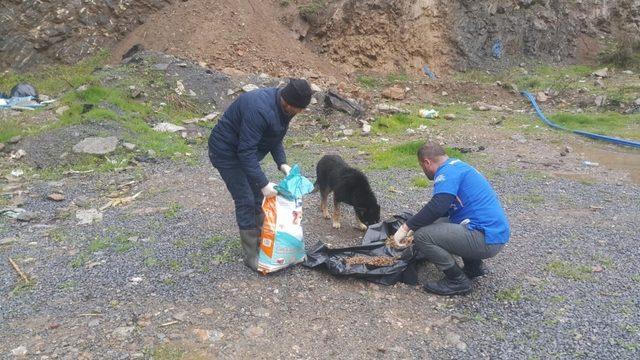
<point>371,260</point>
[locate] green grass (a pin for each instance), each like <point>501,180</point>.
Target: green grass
<point>569,271</point>
<point>229,250</point>
<point>402,156</point>
<point>421,182</point>
<point>513,294</point>
<point>70,284</point>
<point>79,261</point>
<point>165,352</point>
<point>558,299</point>
<point>398,123</point>
<point>636,278</point>
<point>98,244</point>
<point>212,242</point>
<point>311,9</point>
<point>58,235</point>
<point>174,265</point>
<point>608,123</point>
<point>368,82</point>
<point>173,211</point>
<point>23,288</point>
<point>55,80</point>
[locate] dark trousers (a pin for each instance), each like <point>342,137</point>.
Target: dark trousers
<point>438,242</point>
<point>247,196</point>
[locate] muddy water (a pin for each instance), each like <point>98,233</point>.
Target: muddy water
<point>623,159</point>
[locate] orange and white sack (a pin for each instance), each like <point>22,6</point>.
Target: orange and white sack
<point>282,242</point>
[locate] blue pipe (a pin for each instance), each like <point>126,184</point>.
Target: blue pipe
<point>613,140</point>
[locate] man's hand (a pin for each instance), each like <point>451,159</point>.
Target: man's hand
<point>285,169</point>
<point>269,190</point>
<point>400,235</point>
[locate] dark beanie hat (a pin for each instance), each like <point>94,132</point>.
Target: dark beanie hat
<point>297,93</point>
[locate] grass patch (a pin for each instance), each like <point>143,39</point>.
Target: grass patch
<point>78,261</point>
<point>165,352</point>
<point>311,9</point>
<point>397,123</point>
<point>173,210</point>
<point>58,235</point>
<point>149,258</point>
<point>22,288</point>
<point>569,271</point>
<point>558,299</point>
<point>513,294</point>
<point>636,278</point>
<point>228,249</point>
<point>98,244</point>
<point>70,284</point>
<point>212,242</point>
<point>55,80</point>
<point>402,156</point>
<point>368,82</point>
<point>174,265</point>
<point>421,182</point>
<point>608,123</point>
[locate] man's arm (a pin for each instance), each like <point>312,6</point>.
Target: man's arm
<point>436,208</point>
<point>253,126</point>
<point>278,154</point>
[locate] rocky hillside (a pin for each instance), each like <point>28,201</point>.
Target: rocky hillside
<point>299,36</point>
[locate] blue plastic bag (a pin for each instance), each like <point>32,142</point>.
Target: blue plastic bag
<point>294,186</point>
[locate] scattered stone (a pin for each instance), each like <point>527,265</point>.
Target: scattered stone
<point>19,154</point>
<point>450,116</point>
<point>340,103</point>
<point>519,138</point>
<point>254,331</point>
<point>19,351</point>
<point>315,88</point>
<point>56,197</point>
<point>444,93</point>
<point>597,269</point>
<point>161,67</point>
<point>82,88</point>
<point>637,102</point>
<point>454,339</point>
<point>627,72</point>
<point>347,132</point>
<point>602,73</point>
<point>2,146</point>
<point>88,216</point>
<point>17,173</point>
<point>394,93</point>
<point>230,92</point>
<point>250,87</point>
<point>598,83</point>
<point>168,127</point>
<point>592,164</point>
<point>181,316</point>
<point>61,110</point>
<point>541,97</point>
<point>8,241</point>
<point>314,101</point>
<point>27,216</point>
<point>480,106</point>
<point>390,109</point>
<point>206,311</point>
<point>129,146</point>
<point>410,131</point>
<point>180,89</point>
<point>97,145</point>
<point>567,149</point>
<point>366,129</point>
<point>261,312</point>
<point>123,332</point>
<point>600,100</point>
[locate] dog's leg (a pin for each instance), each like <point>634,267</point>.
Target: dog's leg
<point>323,204</point>
<point>336,213</point>
<point>359,225</point>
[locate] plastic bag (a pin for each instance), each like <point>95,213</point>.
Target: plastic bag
<point>373,244</point>
<point>282,240</point>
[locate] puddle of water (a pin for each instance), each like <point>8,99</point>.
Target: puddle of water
<point>627,160</point>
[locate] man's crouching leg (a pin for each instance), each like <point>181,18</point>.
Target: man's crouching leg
<point>434,243</point>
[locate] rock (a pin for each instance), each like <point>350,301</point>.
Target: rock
<point>314,101</point>
<point>566,150</point>
<point>627,72</point>
<point>450,116</point>
<point>181,316</point>
<point>261,312</point>
<point>602,73</point>
<point>315,88</point>
<point>180,89</point>
<point>347,132</point>
<point>637,102</point>
<point>390,109</point>
<point>254,331</point>
<point>206,311</point>
<point>366,129</point>
<point>480,106</point>
<point>97,145</point>
<point>56,197</point>
<point>27,216</point>
<point>597,269</point>
<point>19,351</point>
<point>592,164</point>
<point>161,67</point>
<point>250,87</point>
<point>61,110</point>
<point>15,139</point>
<point>394,93</point>
<point>338,102</point>
<point>82,88</point>
<point>168,127</point>
<point>454,339</point>
<point>444,93</point>
<point>233,72</point>
<point>519,138</point>
<point>598,83</point>
<point>410,131</point>
<point>230,92</point>
<point>541,97</point>
<point>129,146</point>
<point>202,335</point>
<point>2,146</point>
<point>88,216</point>
<point>8,241</point>
<point>123,332</point>
<point>17,173</point>
<point>600,100</point>
<point>19,154</point>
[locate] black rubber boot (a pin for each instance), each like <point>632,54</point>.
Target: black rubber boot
<point>250,240</point>
<point>473,268</point>
<point>455,282</point>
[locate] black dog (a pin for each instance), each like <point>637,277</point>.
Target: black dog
<point>349,186</point>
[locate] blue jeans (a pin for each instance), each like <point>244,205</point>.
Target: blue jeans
<point>247,196</point>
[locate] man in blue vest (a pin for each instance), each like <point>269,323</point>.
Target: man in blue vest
<point>251,127</point>
<point>463,218</point>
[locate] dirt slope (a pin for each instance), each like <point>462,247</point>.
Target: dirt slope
<point>242,34</point>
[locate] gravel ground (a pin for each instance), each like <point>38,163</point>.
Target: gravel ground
<point>161,276</point>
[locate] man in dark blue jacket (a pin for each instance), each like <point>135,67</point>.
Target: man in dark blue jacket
<point>251,127</point>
